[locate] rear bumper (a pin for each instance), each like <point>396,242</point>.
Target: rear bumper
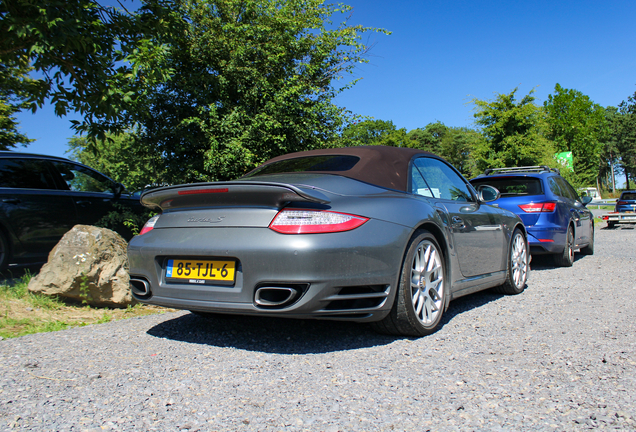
<point>347,275</point>
<point>538,240</point>
<point>619,218</point>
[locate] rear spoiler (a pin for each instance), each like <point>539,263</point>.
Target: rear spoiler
<point>229,194</point>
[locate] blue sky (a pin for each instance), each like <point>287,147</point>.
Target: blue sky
<point>444,53</point>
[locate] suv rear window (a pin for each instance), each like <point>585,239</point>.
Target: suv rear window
<point>512,186</point>
<point>628,196</point>
<point>335,163</point>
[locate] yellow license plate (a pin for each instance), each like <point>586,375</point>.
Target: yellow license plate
<point>201,270</point>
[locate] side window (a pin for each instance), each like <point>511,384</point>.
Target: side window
<point>554,186</point>
<point>80,179</point>
<point>568,191</point>
<point>26,174</point>
<point>433,178</point>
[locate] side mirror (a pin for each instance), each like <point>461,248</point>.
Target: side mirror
<point>586,200</point>
<point>488,193</point>
<point>118,188</point>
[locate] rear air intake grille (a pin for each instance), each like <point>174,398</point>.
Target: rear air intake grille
<point>354,298</point>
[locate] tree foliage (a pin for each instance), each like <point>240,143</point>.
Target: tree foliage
<point>249,80</point>
<point>79,48</point>
<point>578,125</point>
<point>373,132</point>
<point>514,132</point>
<point>620,144</point>
<point>455,144</point>
<point>118,156</point>
<point>14,89</point>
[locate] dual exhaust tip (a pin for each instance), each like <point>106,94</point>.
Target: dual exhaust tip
<point>276,296</point>
<point>140,287</point>
<point>271,297</point>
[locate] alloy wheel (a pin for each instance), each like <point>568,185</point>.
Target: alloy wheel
<point>427,283</point>
<point>519,260</point>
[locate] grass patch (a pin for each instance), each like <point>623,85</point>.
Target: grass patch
<point>23,312</point>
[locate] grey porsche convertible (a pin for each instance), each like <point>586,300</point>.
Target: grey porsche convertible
<point>373,234</point>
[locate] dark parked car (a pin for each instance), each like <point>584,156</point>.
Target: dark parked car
<point>43,197</point>
<point>371,234</point>
<point>554,215</point>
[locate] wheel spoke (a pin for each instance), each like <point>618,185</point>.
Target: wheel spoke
<point>519,260</point>
<point>427,283</point>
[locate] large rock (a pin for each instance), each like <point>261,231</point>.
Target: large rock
<point>88,264</point>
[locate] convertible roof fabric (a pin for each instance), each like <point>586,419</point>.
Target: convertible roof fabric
<point>379,165</point>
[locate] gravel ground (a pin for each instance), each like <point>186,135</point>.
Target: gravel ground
<point>560,356</point>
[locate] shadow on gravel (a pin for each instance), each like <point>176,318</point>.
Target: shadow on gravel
<point>270,335</point>
<point>546,262</point>
<point>469,302</point>
<point>291,336</point>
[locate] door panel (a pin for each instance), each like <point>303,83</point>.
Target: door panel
<point>33,210</point>
<point>476,228</point>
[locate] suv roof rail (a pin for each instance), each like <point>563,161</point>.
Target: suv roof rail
<point>537,168</point>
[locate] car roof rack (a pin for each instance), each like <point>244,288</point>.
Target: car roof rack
<point>537,168</point>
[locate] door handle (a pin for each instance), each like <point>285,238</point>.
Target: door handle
<point>458,222</point>
<point>11,201</point>
<point>82,203</point>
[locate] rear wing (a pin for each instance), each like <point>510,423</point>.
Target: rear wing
<point>230,194</point>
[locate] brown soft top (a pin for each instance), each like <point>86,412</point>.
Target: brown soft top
<point>379,165</point>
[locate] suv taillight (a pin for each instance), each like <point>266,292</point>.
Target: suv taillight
<point>545,207</point>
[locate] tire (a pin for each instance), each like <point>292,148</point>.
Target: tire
<point>589,249</point>
<point>611,225</point>
<point>420,298</point>
<point>517,273</point>
<point>5,252</point>
<point>566,259</point>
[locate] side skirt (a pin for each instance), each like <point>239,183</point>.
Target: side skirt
<point>478,283</point>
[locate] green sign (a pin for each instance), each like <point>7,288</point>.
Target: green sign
<point>565,159</point>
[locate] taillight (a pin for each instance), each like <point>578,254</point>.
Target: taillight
<point>622,203</point>
<point>314,222</point>
<point>545,207</point>
<point>148,226</point>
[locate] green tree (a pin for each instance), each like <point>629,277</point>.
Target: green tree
<point>458,146</point>
<point>118,156</point>
<point>428,139</point>
<point>577,124</point>
<point>514,133</point>
<point>624,137</point>
<point>250,80</point>
<point>610,154</point>
<point>373,132</point>
<point>14,85</point>
<point>455,144</point>
<point>79,48</point>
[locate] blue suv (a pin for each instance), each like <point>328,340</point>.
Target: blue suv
<point>555,216</point>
